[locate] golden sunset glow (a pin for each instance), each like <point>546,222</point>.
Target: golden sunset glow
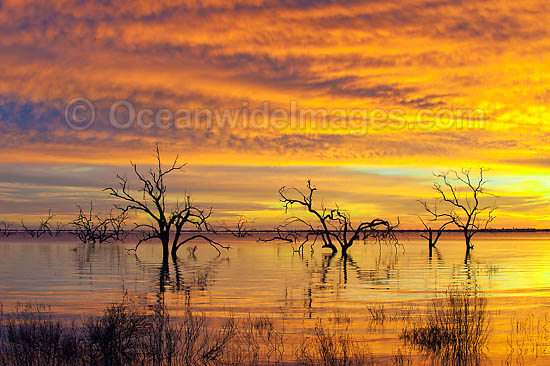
<point>412,56</point>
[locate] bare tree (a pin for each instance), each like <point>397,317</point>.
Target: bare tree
<point>461,193</point>
<point>241,229</point>
<point>43,228</point>
<point>164,219</point>
<point>6,229</point>
<point>59,228</point>
<point>432,234</point>
<point>297,238</point>
<point>333,227</point>
<point>91,228</point>
<point>117,225</point>
<point>290,236</point>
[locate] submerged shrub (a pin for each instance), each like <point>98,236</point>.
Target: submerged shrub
<point>377,313</point>
<point>332,347</point>
<point>160,344</point>
<point>116,337</point>
<point>30,336</point>
<point>256,341</point>
<point>126,335</point>
<point>528,340</point>
<point>457,327</point>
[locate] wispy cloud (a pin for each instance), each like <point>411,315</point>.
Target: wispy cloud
<point>413,55</point>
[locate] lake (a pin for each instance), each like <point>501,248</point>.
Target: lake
<point>255,278</point>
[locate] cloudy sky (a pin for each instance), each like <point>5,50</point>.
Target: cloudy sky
<point>409,57</point>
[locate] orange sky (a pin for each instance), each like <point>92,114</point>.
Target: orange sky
<point>492,56</point>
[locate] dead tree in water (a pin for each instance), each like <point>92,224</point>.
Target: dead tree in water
<point>297,238</point>
<point>43,228</point>
<point>164,219</point>
<point>91,228</point>
<point>117,224</point>
<point>59,228</point>
<point>432,234</point>
<point>461,194</point>
<point>333,227</point>
<point>241,228</point>
<point>5,229</point>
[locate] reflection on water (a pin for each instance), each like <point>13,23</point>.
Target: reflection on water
<point>268,278</point>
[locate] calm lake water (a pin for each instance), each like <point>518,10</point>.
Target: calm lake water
<point>268,278</point>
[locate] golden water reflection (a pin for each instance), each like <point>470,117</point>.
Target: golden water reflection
<point>269,279</point>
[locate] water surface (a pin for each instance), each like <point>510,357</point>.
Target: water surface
<point>269,278</point>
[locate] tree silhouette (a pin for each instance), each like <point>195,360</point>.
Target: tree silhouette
<point>241,229</point>
<point>43,228</point>
<point>166,222</point>
<point>461,194</point>
<point>332,226</point>
<point>6,229</point>
<point>431,233</point>
<point>89,227</point>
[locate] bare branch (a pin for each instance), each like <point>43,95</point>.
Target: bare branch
<point>213,243</point>
<point>6,229</point>
<point>91,228</point>
<point>332,226</point>
<point>42,229</point>
<point>150,199</point>
<point>461,194</point>
<point>241,228</point>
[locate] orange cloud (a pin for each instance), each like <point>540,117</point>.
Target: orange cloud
<point>415,55</point>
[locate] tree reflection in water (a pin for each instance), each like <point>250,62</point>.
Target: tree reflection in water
<point>323,278</point>
<point>171,277</point>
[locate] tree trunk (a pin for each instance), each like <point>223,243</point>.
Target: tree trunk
<point>164,275</point>
<point>345,250</point>
<point>165,240</point>
<point>431,243</point>
<point>468,239</point>
<point>174,251</point>
<point>332,247</point>
<point>467,256</point>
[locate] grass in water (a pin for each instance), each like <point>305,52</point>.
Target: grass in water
<point>455,328</point>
